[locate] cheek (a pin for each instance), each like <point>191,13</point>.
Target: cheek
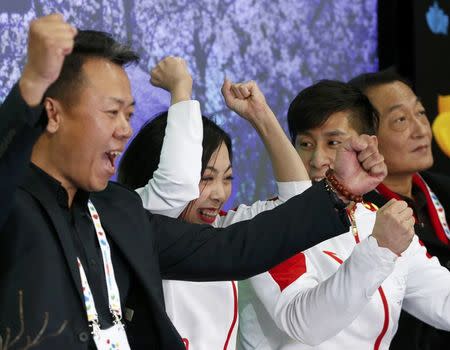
<point>204,191</point>
<point>330,153</point>
<point>428,131</point>
<point>190,214</point>
<point>387,151</point>
<point>305,157</point>
<point>391,142</point>
<point>228,189</point>
<point>394,152</point>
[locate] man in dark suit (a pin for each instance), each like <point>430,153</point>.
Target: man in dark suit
<point>16,143</point>
<point>404,136</point>
<point>67,221</point>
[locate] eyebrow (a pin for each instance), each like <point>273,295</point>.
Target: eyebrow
<point>394,107</point>
<point>335,132</point>
<point>122,102</point>
<point>214,170</point>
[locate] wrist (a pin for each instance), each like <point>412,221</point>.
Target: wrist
<point>264,121</point>
<point>339,205</point>
<point>32,88</point>
<point>385,245</point>
<point>339,188</point>
<point>181,92</point>
<point>335,195</point>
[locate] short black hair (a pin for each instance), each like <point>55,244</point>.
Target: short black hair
<point>369,80</point>
<point>141,158</point>
<point>312,107</point>
<point>88,44</point>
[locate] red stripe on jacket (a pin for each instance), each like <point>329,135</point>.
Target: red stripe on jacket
<point>383,300</point>
<point>289,270</point>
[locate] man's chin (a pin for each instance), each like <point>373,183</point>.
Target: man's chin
<point>97,186</point>
<point>425,166</point>
<point>424,163</point>
<point>317,178</point>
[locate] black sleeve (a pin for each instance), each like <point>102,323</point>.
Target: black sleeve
<point>202,253</point>
<point>20,126</point>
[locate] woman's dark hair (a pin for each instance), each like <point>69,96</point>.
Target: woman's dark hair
<point>141,158</point>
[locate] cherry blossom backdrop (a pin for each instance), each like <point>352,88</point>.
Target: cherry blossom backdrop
<point>284,45</point>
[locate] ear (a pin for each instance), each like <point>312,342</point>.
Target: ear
<point>53,109</point>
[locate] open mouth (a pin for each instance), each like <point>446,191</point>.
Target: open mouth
<point>208,215</point>
<point>112,156</point>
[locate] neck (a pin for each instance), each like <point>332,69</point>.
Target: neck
<point>401,184</point>
<point>41,157</point>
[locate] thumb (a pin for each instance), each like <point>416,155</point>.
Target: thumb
<point>226,90</point>
<point>357,143</point>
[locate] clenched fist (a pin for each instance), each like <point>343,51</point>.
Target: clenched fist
<point>394,226</point>
<point>50,40</point>
<point>247,100</point>
<point>359,166</point>
<point>172,74</point>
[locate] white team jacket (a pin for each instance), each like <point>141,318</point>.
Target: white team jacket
<point>204,313</point>
<point>343,295</point>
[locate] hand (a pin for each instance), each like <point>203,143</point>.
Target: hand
<point>358,165</point>
<point>50,40</point>
<point>172,74</point>
<point>247,100</point>
<point>394,226</point>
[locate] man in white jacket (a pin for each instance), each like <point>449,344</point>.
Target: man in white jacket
<point>346,292</point>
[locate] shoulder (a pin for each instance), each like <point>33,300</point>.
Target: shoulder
<point>439,184</point>
<point>436,179</point>
<point>119,194</point>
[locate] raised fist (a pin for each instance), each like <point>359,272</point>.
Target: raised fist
<point>246,99</point>
<point>359,166</point>
<point>50,40</point>
<point>172,74</point>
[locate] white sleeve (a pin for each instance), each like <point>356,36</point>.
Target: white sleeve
<point>175,182</point>
<point>427,294</point>
<point>286,190</point>
<point>299,299</point>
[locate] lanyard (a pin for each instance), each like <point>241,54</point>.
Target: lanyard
<point>351,210</point>
<point>113,290</point>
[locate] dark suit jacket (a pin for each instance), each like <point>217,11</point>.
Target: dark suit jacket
<point>412,333</point>
<point>38,256</point>
<point>17,136</point>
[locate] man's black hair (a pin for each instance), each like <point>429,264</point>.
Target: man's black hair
<point>369,80</point>
<point>88,44</point>
<point>312,107</point>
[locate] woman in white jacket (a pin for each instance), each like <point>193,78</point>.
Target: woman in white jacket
<point>176,177</point>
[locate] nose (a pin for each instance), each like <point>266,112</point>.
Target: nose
<point>123,129</point>
<point>420,126</point>
<point>320,159</point>
<point>218,192</point>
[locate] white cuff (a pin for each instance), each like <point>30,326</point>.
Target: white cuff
<point>190,110</point>
<point>287,190</point>
<point>385,254</point>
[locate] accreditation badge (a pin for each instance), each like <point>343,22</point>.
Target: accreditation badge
<point>112,338</point>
